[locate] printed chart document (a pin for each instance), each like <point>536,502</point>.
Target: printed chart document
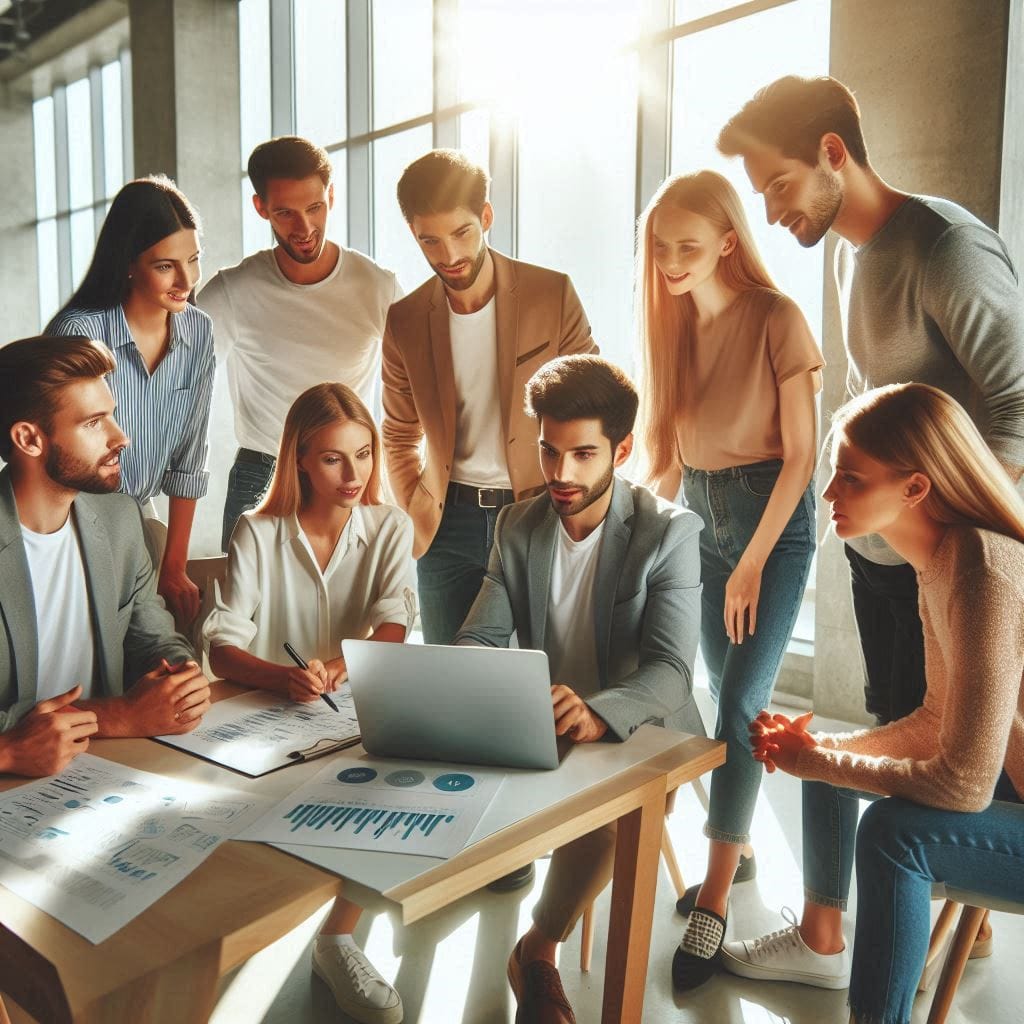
<point>365,803</point>
<point>259,732</point>
<point>97,844</point>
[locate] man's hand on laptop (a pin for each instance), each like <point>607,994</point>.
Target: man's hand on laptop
<point>573,717</point>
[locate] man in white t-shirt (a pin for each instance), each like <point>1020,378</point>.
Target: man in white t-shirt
<point>286,318</point>
<point>605,578</point>
<point>79,612</point>
<point>457,354</point>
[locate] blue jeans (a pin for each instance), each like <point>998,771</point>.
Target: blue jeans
<point>731,503</point>
<point>902,848</point>
<point>450,571</point>
<point>247,483</point>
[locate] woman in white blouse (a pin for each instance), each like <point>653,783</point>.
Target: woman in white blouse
<point>320,560</point>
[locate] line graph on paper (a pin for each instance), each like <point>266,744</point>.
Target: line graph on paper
<point>362,803</point>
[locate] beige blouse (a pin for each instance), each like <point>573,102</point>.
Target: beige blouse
<point>731,377</point>
<point>949,752</point>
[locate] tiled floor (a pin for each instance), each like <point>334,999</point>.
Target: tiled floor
<point>450,968</point>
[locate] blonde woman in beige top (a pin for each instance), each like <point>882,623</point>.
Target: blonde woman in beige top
<point>731,372</point>
<point>909,464</point>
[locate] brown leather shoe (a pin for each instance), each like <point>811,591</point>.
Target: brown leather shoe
<point>538,991</point>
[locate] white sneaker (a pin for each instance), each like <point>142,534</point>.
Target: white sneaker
<point>784,956</point>
<point>358,989</point>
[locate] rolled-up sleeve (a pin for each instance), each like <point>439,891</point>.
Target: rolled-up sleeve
<point>394,598</point>
<point>232,623</point>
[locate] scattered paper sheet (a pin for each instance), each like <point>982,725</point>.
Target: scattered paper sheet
<point>364,803</point>
<point>97,844</point>
<point>259,732</point>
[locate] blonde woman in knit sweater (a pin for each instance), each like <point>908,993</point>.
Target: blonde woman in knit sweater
<point>909,465</point>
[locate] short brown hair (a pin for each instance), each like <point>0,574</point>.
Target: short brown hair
<point>290,157</point>
<point>34,371</point>
<point>583,388</point>
<point>440,181</point>
<point>793,113</point>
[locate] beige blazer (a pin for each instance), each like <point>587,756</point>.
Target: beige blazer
<point>539,317</point>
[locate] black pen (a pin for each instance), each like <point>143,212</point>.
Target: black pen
<point>298,659</point>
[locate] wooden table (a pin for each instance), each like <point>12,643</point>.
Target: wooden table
<point>164,966</point>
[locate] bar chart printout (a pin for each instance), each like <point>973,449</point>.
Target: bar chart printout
<point>361,803</point>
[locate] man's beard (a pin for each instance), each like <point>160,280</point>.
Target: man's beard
<point>468,278</point>
<point>300,257</point>
<point>823,209</point>
<point>76,474</point>
<point>588,495</point>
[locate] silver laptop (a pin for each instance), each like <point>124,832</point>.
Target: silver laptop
<point>479,705</point>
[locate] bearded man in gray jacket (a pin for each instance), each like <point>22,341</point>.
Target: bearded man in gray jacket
<point>79,613</point>
<point>605,578</point>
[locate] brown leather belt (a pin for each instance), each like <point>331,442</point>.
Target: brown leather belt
<point>481,497</point>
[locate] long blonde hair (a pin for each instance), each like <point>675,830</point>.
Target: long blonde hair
<point>665,323</point>
<point>319,406</point>
<point>915,428</point>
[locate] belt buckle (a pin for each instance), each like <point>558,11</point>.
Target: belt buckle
<point>481,491</point>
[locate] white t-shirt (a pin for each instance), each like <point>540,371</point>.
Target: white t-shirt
<point>280,338</point>
<point>479,439</point>
<point>569,637</point>
<point>63,626</point>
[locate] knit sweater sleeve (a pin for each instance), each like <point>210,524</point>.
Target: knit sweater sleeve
<point>950,751</point>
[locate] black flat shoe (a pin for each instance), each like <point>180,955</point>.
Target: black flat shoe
<point>700,951</point>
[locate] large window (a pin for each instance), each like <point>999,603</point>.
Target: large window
<point>615,95</point>
<point>81,160</point>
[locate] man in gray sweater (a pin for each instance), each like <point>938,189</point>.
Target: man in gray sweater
<point>927,293</point>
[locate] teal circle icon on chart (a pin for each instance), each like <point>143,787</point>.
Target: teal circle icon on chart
<point>405,778</point>
<point>454,782</point>
<point>356,775</point>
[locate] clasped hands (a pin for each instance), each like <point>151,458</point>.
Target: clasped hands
<point>776,740</point>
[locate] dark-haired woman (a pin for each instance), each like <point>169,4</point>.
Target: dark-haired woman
<point>134,297</point>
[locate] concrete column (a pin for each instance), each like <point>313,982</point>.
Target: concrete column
<point>18,255</point>
<point>929,76</point>
<point>185,118</point>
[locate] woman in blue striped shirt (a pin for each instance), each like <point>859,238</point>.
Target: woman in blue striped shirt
<point>135,298</point>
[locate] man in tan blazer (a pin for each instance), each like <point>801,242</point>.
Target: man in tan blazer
<point>458,352</point>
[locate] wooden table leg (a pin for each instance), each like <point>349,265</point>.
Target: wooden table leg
<point>637,854</point>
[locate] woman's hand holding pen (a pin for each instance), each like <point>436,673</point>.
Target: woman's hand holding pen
<point>306,684</point>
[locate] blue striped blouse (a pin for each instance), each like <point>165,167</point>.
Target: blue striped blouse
<point>166,415</point>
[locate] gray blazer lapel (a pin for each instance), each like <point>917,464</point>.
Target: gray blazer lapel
<point>541,554</point>
<point>617,533</point>
<point>17,606</point>
<point>103,597</point>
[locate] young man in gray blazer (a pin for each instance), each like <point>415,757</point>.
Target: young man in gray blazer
<point>605,578</point>
<point>79,612</point>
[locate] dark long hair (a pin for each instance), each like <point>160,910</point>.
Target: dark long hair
<point>143,213</point>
